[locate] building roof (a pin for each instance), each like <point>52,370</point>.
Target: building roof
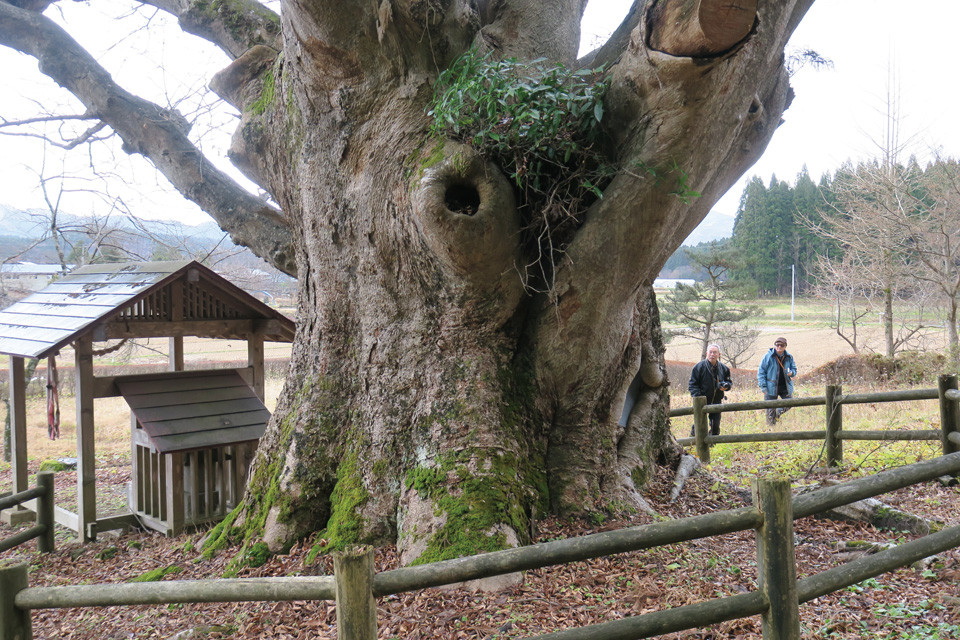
<point>136,300</point>
<point>185,410</point>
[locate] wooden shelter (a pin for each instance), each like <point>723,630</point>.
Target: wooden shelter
<point>193,431</point>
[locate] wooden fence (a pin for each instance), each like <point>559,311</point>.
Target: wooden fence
<point>833,400</point>
<point>355,586</point>
<point>44,529</point>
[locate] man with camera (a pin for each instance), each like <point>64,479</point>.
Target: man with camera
<point>775,377</point>
<point>710,378</point>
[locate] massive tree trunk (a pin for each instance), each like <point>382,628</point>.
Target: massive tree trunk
<point>436,397</point>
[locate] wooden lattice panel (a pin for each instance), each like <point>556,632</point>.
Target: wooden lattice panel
<point>202,303</point>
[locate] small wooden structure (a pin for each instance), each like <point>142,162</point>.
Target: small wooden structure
<point>193,436</point>
<point>206,421</point>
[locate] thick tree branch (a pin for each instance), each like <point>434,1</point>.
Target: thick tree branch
<point>733,102</point>
<point>156,133</point>
<point>232,25</point>
<point>700,27</point>
<point>529,29</point>
<point>356,40</point>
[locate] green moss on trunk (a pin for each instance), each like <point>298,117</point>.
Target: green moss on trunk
<point>476,492</point>
<point>312,436</point>
<point>346,525</point>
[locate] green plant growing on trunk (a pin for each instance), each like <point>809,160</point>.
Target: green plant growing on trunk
<point>541,123</point>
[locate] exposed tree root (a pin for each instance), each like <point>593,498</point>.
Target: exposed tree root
<point>688,464</point>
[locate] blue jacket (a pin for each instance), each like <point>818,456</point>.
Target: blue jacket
<point>769,368</point>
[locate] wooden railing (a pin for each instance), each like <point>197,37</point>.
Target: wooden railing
<point>354,585</point>
<point>833,400</point>
<point>44,529</point>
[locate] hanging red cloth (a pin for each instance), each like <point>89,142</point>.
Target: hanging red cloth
<point>53,400</point>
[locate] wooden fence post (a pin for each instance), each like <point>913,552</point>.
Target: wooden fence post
<point>46,543</point>
<point>701,429</point>
<point>14,622</point>
<point>834,444</point>
<point>776,560</point>
<point>356,606</point>
<point>949,413</point>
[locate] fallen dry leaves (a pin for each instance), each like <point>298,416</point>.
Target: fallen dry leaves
<point>908,601</point>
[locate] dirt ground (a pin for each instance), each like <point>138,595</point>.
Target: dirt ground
<point>920,602</point>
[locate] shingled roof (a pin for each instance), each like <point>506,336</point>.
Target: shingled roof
<point>136,300</point>
<point>181,411</point>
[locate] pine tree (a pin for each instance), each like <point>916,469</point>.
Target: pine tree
<point>700,310</point>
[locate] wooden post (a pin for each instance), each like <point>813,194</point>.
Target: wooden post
<point>776,560</point>
<point>255,357</point>
<point>701,429</point>
<point>175,356</point>
<point>14,622</point>
<point>18,439</point>
<point>356,606</point>
<point>46,543</point>
<point>949,413</point>
<point>834,445</point>
<point>86,460</point>
<point>18,424</point>
<point>175,491</point>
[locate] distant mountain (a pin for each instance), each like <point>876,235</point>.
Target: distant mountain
<point>714,227</point>
<point>30,223</point>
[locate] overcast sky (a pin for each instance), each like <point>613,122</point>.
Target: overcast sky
<point>835,116</point>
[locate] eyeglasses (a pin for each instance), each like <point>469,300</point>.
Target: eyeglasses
<point>779,344</point>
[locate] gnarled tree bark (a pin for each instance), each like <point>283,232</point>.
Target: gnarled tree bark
<point>433,398</point>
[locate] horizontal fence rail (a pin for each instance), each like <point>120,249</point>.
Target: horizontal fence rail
<point>834,434</point>
<point>827,498</point>
<point>775,547</point>
<point>44,529</point>
<point>546,554</point>
<point>178,592</point>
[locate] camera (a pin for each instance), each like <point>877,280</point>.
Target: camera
<point>725,386</point>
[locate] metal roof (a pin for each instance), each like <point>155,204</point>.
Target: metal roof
<point>132,299</point>
<point>186,410</point>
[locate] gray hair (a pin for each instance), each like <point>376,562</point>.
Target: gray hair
<point>711,346</point>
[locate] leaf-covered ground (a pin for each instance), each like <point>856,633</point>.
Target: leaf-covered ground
<point>911,603</point>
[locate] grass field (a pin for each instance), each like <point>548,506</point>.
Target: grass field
<point>810,338</point>
<point>803,461</point>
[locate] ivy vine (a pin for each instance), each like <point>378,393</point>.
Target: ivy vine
<point>542,124</point>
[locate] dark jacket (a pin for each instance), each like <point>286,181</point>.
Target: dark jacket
<point>706,381</point>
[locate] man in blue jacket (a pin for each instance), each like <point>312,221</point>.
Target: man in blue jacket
<point>775,377</point>
<point>710,378</point>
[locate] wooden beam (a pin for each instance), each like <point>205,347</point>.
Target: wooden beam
<point>65,517</point>
<point>231,329</point>
<point>86,460</point>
